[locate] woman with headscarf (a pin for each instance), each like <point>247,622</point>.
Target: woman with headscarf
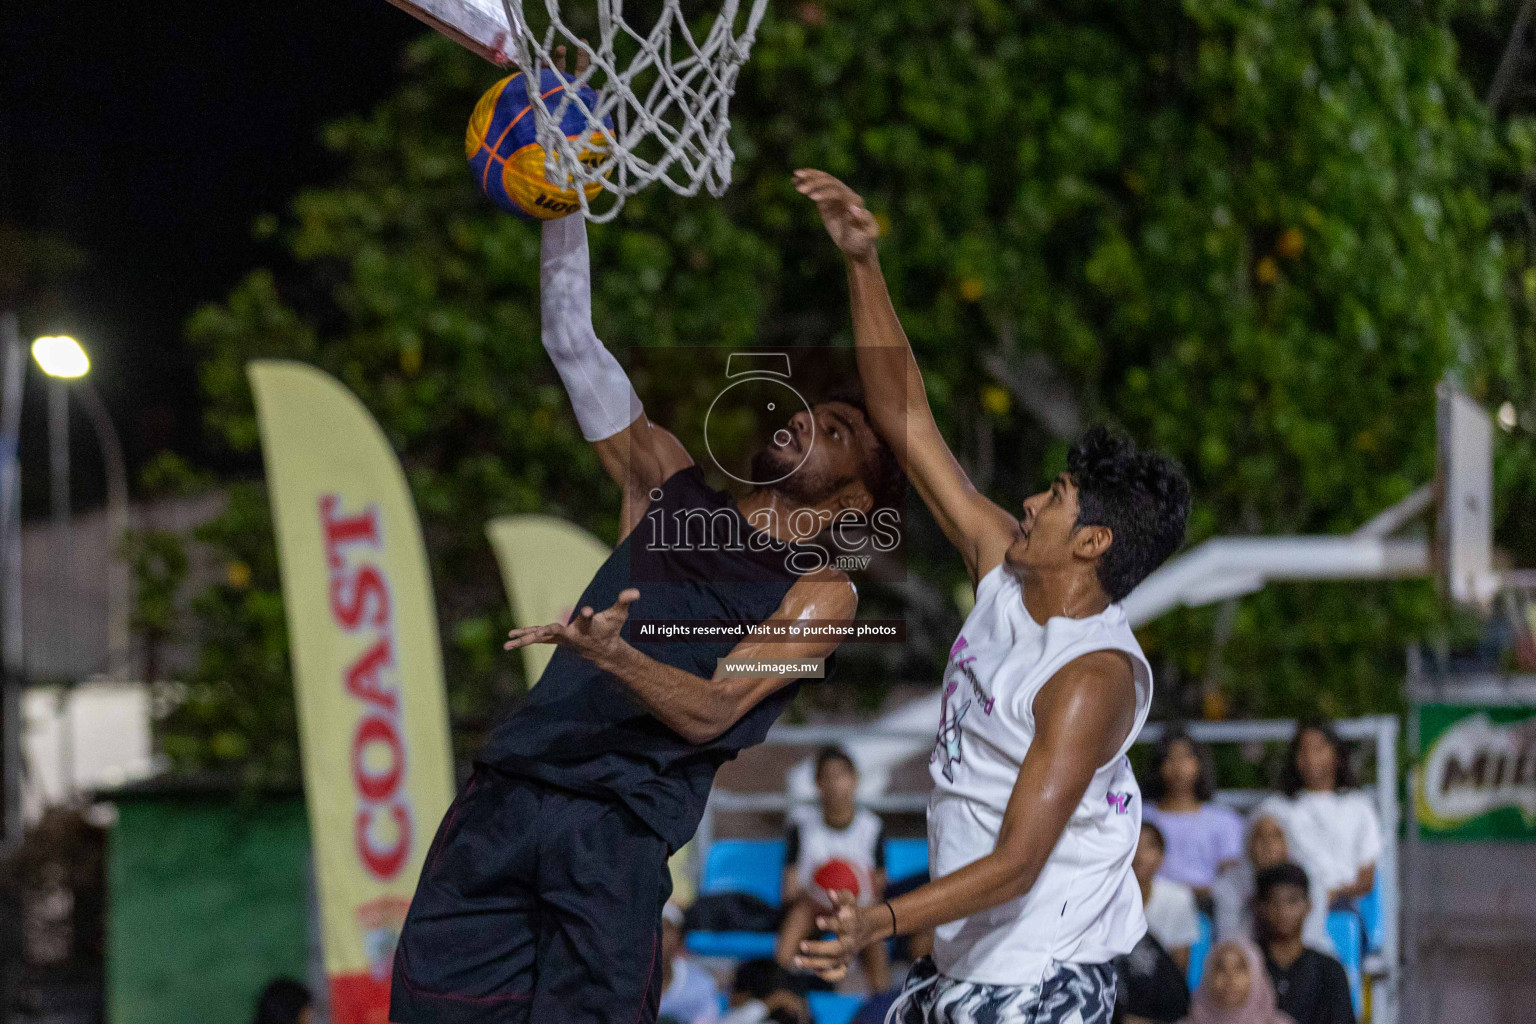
<point>1235,988</point>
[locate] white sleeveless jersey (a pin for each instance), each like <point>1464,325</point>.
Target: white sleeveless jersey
<point>1086,906</point>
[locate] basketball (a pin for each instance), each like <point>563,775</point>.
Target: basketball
<point>835,876</point>
<point>504,153</point>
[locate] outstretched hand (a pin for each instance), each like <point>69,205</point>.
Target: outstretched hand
<point>590,634</point>
<point>851,226</point>
<point>829,958</point>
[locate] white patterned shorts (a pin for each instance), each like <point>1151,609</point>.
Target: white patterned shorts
<point>1070,994</point>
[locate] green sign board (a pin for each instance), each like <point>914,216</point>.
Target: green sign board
<point>1477,772</point>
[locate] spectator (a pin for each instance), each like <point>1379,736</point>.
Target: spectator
<point>1234,889</point>
<point>688,993</point>
<point>1203,837</point>
<point>1311,986</point>
<point>283,1001</point>
<point>1235,988</point>
<point>761,993</point>
<point>1149,987</point>
<point>836,846</point>
<point>1170,907</point>
<point>1332,830</point>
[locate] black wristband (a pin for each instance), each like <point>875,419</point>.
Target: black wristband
<point>894,931</point>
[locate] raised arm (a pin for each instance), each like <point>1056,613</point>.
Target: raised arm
<point>1082,716</point>
<point>695,708</point>
<point>893,386</point>
<point>637,454</point>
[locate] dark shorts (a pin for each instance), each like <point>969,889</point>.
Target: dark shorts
<point>535,904</point>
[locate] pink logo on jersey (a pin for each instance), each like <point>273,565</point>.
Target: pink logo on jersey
<point>947,742</point>
<point>1121,802</point>
<point>958,646</point>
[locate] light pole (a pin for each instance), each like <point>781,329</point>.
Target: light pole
<point>64,361</point>
<point>12,663</point>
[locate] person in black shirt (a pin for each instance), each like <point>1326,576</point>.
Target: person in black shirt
<point>1149,987</point>
<point>1311,986</point>
<point>541,896</point>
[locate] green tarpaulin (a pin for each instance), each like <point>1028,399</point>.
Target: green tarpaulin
<point>206,904</point>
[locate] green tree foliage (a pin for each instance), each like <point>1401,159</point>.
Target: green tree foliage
<point>1256,235</point>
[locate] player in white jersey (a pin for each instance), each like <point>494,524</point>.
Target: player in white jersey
<point>1035,814</point>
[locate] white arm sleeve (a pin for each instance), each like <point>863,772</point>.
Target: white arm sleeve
<point>601,394</point>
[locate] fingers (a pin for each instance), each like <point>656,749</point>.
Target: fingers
<point>832,974</point>
<point>583,58</point>
<point>820,186</point>
<point>831,966</point>
<point>627,597</point>
<point>533,635</point>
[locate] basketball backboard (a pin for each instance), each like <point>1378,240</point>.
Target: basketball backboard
<point>1464,478</point>
<point>480,25</point>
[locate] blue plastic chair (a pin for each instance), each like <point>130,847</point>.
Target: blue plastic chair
<point>1348,936</point>
<point>752,866</point>
<point>1198,952</point>
<point>905,858</point>
<point>732,945</point>
<point>1370,915</point>
<point>831,1008</point>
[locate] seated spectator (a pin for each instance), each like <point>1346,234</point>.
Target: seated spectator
<point>1233,892</point>
<point>1203,837</point>
<point>283,1001</point>
<point>688,992</point>
<point>1311,986</point>
<point>836,846</point>
<point>1172,917</point>
<point>762,992</point>
<point>1235,988</point>
<point>1149,987</point>
<point>1332,830</point>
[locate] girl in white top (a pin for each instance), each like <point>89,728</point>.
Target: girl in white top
<point>1331,828</point>
<point>1035,813</point>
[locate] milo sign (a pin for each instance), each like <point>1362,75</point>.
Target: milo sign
<point>1477,775</point>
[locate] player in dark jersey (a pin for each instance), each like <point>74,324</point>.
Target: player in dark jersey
<point>541,897</point>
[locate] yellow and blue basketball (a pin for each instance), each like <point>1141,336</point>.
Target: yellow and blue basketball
<point>504,153</point>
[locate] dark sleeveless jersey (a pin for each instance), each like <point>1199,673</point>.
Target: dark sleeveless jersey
<point>692,557</point>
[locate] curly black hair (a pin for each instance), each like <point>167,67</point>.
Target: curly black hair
<point>1344,772</point>
<point>881,471</point>
<point>1143,497</point>
<point>1205,783</point>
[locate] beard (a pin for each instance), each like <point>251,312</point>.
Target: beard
<point>804,486</point>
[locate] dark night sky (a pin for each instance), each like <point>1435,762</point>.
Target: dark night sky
<point>151,135</point>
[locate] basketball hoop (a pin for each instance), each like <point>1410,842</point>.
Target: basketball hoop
<point>663,95</point>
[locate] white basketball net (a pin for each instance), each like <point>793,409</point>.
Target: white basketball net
<point>666,92</point>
